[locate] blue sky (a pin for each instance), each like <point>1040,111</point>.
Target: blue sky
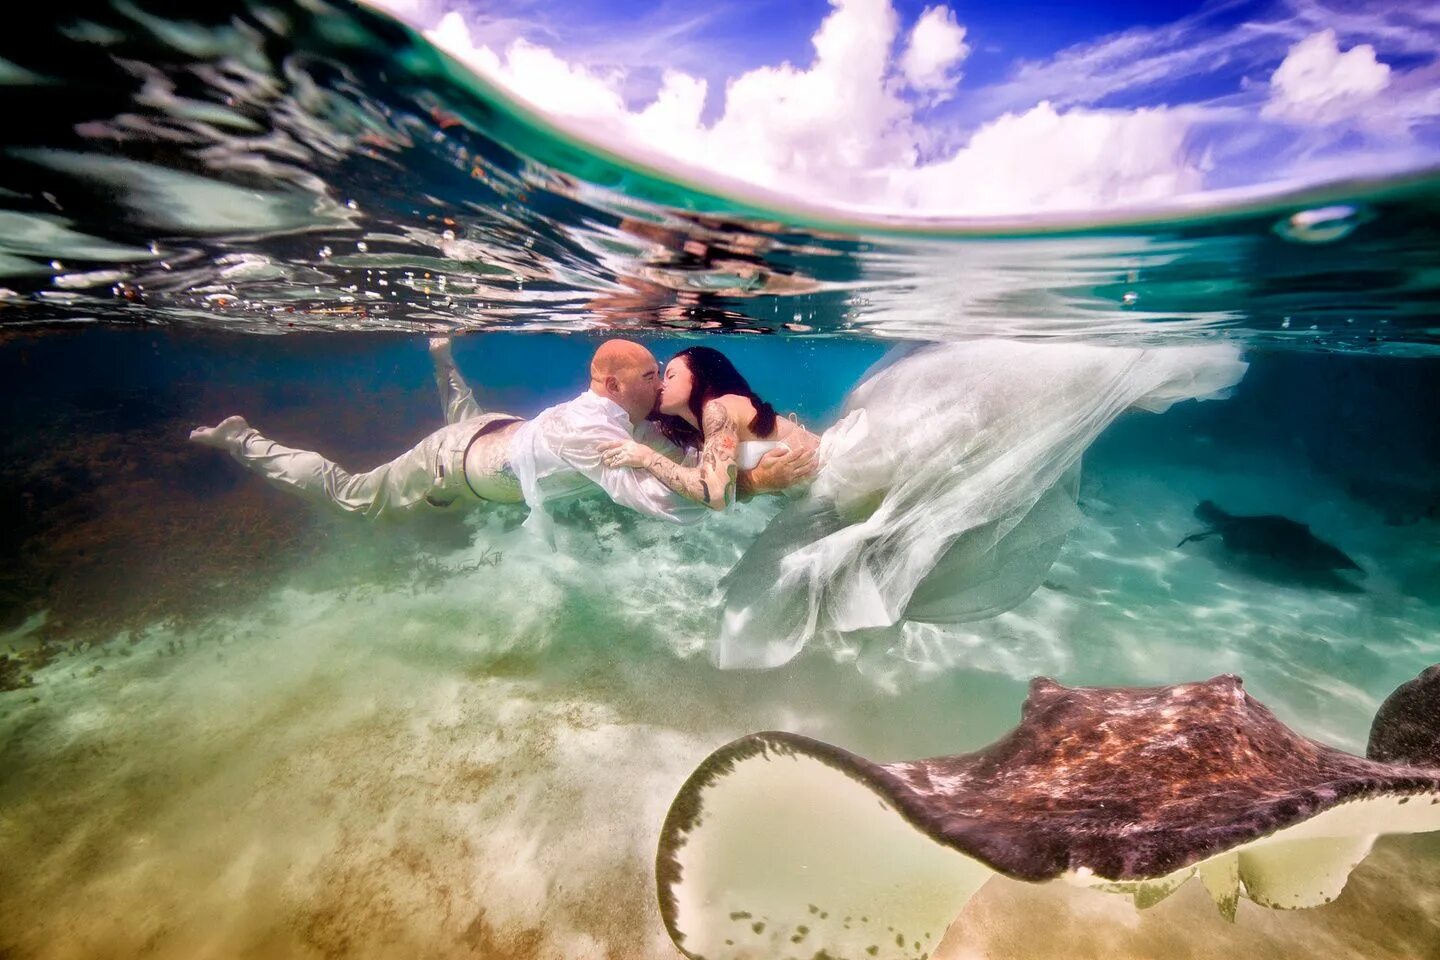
<point>980,107</point>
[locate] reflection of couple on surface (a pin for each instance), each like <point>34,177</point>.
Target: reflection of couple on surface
<point>943,494</point>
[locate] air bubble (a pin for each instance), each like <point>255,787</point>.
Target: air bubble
<point>1130,298</point>
<point>1322,224</point>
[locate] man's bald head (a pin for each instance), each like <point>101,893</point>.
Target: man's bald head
<point>618,356</point>
<point>627,373</point>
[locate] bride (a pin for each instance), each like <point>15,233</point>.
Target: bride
<point>944,492</point>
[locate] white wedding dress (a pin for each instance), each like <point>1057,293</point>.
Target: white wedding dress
<point>946,489</point>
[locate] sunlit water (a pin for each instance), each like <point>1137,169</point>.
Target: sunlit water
<point>238,726</point>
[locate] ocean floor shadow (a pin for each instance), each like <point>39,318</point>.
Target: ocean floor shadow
<point>1280,573</point>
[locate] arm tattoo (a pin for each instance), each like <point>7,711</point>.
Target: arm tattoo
<point>713,481</point>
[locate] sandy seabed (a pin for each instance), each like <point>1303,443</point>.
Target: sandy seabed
<point>476,761</point>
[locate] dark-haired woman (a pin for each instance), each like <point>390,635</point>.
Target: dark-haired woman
<point>706,405</point>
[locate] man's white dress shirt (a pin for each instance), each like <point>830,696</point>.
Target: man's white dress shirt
<point>557,456</point>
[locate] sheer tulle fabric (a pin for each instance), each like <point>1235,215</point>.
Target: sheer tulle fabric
<point>946,489</point>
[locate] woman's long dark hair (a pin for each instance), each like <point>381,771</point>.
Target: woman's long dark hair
<point>713,375</point>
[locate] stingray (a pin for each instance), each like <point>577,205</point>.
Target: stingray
<point>1274,539</point>
<point>783,846</point>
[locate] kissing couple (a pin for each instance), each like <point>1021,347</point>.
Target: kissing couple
<point>942,495</point>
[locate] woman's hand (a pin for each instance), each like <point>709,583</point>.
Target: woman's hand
<point>625,453</point>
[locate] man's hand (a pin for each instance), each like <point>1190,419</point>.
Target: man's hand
<point>781,468</point>
<point>625,453</point>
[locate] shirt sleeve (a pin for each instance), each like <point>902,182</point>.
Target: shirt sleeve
<point>637,489</point>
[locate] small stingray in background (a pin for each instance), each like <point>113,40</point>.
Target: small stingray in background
<point>780,845</point>
<point>1276,548</point>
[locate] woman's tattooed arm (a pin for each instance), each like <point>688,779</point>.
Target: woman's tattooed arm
<point>713,481</point>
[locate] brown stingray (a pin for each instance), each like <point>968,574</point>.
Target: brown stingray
<point>1127,790</point>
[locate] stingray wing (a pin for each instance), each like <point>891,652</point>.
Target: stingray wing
<point>782,846</point>
<point>778,846</point>
<point>1305,865</point>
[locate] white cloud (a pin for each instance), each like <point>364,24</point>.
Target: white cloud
<point>843,126</point>
<point>409,10</point>
<point>839,130</point>
<point>827,127</point>
<point>1046,159</point>
<point>1407,28</point>
<point>830,125</point>
<point>1142,58</point>
<point>535,72</point>
<point>1141,61</point>
<point>1316,83</point>
<point>937,46</point>
<point>673,117</point>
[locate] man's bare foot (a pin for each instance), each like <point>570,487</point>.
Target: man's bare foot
<point>223,436</point>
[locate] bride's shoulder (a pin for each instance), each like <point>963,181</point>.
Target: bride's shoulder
<point>739,408</point>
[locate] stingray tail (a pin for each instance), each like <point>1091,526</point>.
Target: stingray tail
<point>1407,725</point>
<point>1195,536</point>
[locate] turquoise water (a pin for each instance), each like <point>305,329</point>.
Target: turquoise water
<point>234,725</point>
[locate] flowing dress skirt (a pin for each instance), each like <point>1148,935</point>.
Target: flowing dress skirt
<point>946,489</point>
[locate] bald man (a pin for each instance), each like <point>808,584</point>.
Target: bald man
<point>487,456</point>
